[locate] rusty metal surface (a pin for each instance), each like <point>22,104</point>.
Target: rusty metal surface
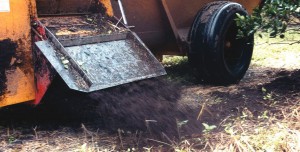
<point>148,16</point>
<point>20,88</point>
<point>76,27</point>
<point>67,7</point>
<point>92,39</point>
<point>98,54</point>
<point>102,65</point>
<point>149,21</point>
<point>49,52</point>
<point>183,13</point>
<point>152,23</point>
<point>15,25</point>
<point>62,7</point>
<point>62,54</point>
<point>44,74</point>
<point>117,62</point>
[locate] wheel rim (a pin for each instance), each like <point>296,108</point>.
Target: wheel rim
<point>234,49</point>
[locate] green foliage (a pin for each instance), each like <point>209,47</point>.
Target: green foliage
<point>272,17</point>
<point>11,139</point>
<point>264,115</point>
<point>208,128</point>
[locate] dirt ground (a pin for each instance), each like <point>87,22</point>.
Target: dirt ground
<point>159,114</point>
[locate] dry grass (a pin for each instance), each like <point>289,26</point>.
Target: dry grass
<point>64,139</point>
<point>279,132</point>
<point>275,128</point>
<point>277,52</point>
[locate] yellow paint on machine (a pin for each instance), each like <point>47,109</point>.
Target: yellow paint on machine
<point>107,5</point>
<point>15,25</point>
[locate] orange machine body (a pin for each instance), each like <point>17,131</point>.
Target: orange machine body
<point>17,76</point>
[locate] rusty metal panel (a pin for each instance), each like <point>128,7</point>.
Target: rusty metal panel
<point>17,78</point>
<point>19,88</point>
<point>64,7</point>
<point>152,24</point>
<point>105,64</point>
<point>44,74</point>
<point>183,12</point>
<point>49,52</point>
<point>149,21</point>
<point>92,39</point>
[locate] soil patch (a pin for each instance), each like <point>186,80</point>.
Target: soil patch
<point>285,83</point>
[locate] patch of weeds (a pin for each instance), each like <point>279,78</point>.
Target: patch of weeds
<point>208,128</point>
<point>11,139</point>
<point>246,113</point>
<point>267,96</point>
<point>228,128</point>
<point>267,134</point>
<point>171,61</point>
<point>270,138</point>
<point>264,115</point>
<point>271,97</point>
<point>179,70</point>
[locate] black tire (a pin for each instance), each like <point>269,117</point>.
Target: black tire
<point>215,53</point>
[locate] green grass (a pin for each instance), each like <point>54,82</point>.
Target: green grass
<point>179,70</point>
<point>277,52</point>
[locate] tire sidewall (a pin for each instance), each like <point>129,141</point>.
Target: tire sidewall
<point>208,41</point>
<point>216,39</point>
